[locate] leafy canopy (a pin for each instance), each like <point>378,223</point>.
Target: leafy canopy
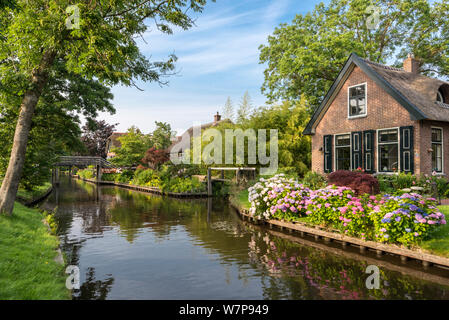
<point>134,144</point>
<point>304,57</point>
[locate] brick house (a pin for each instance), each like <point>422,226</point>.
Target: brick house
<point>382,119</point>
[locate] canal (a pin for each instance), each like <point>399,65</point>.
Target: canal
<point>132,245</point>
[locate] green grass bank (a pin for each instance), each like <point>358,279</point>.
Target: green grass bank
<point>28,269</point>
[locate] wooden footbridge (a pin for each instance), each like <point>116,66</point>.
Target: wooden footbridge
<point>80,161</point>
<point>238,172</point>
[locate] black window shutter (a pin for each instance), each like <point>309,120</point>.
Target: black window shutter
<point>406,150</point>
<point>369,137</point>
<point>327,146</point>
<point>356,152</point>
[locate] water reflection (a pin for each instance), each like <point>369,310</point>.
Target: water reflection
<point>132,245</point>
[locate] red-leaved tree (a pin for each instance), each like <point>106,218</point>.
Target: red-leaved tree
<point>155,157</point>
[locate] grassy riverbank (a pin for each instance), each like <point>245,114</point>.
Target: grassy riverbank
<point>438,243</point>
<point>27,195</point>
<point>27,252</point>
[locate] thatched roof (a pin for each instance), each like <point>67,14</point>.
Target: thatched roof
<point>418,89</point>
<point>113,140</point>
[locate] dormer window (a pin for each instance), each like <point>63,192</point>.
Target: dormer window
<point>357,101</point>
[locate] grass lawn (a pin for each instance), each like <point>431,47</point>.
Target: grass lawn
<point>27,252</point>
<point>35,193</point>
<point>439,244</point>
<point>240,199</point>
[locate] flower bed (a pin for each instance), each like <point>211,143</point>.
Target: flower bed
<point>405,219</point>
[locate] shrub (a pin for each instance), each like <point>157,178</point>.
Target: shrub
<point>142,177</point>
<point>278,197</point>
<point>360,182</point>
<point>181,185</point>
<point>323,204</point>
<point>86,173</point>
<point>125,177</point>
<point>314,180</point>
<point>406,219</point>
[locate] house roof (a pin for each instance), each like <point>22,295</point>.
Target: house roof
<point>189,131</point>
<point>113,139</point>
<point>415,92</point>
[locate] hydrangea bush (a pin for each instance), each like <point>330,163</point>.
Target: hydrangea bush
<point>404,219</point>
<point>278,197</point>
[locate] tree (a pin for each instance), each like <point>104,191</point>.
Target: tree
<point>134,144</point>
<point>304,57</point>
<point>228,109</point>
<point>95,137</point>
<point>290,119</point>
<point>55,127</point>
<point>99,44</point>
<point>155,157</point>
<point>245,108</point>
<point>161,136</point>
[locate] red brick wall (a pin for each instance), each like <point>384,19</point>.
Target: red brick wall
<point>383,112</point>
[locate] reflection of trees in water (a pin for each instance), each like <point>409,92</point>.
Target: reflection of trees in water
<point>288,270</point>
<point>297,271</point>
<point>92,289</point>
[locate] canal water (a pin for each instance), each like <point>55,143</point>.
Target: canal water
<point>132,245</point>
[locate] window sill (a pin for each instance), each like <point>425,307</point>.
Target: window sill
<point>357,117</point>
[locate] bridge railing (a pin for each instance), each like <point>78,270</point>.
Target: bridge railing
<point>83,161</point>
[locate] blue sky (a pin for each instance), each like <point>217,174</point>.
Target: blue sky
<point>216,59</point>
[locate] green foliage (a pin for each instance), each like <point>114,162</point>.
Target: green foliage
<point>228,110</point>
<point>27,252</point>
<point>314,180</point>
<point>161,137</point>
<point>134,144</point>
<point>142,177</point>
<point>86,173</point>
<point>245,109</point>
<point>290,120</point>
<point>305,57</point>
<point>393,184</point>
<point>182,185</point>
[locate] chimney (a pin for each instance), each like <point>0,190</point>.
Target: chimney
<point>217,117</point>
<point>411,64</point>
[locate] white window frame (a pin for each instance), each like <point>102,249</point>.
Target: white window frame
<point>378,151</point>
<point>442,147</point>
<point>335,149</point>
<point>366,101</point>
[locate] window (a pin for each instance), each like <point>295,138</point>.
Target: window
<point>343,152</point>
<point>437,149</point>
<point>357,101</point>
<point>388,150</point>
<point>440,97</point>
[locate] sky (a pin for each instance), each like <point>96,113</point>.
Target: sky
<point>217,58</point>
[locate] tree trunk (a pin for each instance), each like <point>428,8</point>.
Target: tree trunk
<point>10,185</point>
